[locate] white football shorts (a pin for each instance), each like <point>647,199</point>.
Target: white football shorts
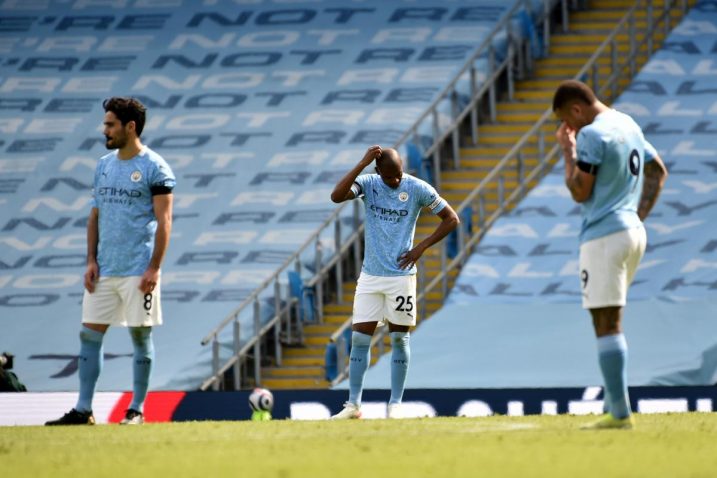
<point>118,301</point>
<point>380,299</point>
<point>608,265</point>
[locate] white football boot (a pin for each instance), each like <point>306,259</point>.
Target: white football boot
<point>350,411</point>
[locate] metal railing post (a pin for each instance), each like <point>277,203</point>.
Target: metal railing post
<point>278,326</point>
<point>339,264</point>
<point>298,324</point>
<point>613,68</point>
<point>319,295</point>
<point>474,108</point>
<point>257,344</point>
<point>501,190</point>
<point>437,169</point>
<point>215,364</point>
<point>481,209</point>
<point>237,348</point>
<point>455,139</point>
<point>510,74</point>
<point>633,44</point>
<point>541,144</point>
<point>491,90</point>
<point>519,167</point>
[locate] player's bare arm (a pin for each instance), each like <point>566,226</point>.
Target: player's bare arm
<point>655,177</point>
<point>342,191</point>
<point>449,221</point>
<point>92,273</point>
<point>162,204</point>
<point>579,183</point>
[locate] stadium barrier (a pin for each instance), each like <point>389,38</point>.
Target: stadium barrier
<point>36,408</point>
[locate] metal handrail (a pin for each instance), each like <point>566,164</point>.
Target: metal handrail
<point>314,238</point>
<point>465,249</point>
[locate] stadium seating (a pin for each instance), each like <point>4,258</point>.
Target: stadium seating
<point>514,317</point>
<point>258,108</point>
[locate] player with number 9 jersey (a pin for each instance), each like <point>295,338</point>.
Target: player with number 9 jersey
<point>616,176</point>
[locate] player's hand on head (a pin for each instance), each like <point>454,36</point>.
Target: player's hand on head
<point>373,152</point>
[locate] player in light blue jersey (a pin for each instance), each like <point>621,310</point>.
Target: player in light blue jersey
<point>127,236</point>
<point>386,288</point>
<point>616,176</point>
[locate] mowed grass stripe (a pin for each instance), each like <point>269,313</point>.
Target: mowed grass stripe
<point>675,445</point>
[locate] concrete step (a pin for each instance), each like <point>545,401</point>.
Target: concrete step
<point>521,106</point>
<point>512,128</point>
<point>470,154</point>
<point>595,38</point>
<point>297,383</point>
<point>301,361</point>
<point>316,340</point>
<point>293,371</point>
<point>332,318</point>
<point>518,116</point>
<point>584,48</point>
<point>336,309</point>
<point>602,14</point>
<point>303,352</point>
<point>324,329</point>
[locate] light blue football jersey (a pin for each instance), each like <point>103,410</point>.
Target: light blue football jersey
<point>391,216</point>
<point>616,145</point>
<point>122,193</point>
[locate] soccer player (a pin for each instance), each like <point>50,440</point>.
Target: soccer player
<point>386,288</point>
<point>127,236</point>
<point>616,175</point>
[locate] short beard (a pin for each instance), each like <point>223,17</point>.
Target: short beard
<point>119,144</point>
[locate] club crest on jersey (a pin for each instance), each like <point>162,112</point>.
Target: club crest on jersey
<point>136,176</point>
<point>403,196</point>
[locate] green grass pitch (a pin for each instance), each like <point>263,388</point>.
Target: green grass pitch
<point>673,445</point>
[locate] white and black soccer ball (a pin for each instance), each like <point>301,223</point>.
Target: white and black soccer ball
<point>261,400</point>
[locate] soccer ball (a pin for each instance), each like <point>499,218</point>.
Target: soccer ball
<point>261,400</point>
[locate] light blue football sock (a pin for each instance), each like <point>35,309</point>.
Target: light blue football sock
<point>90,366</point>
<point>612,354</point>
<point>142,368</point>
<point>400,357</point>
<point>359,360</point>
<point>606,401</point>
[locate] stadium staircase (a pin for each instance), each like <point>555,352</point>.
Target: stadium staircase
<point>303,367</point>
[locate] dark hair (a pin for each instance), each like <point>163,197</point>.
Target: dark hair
<point>126,110</point>
<point>570,91</point>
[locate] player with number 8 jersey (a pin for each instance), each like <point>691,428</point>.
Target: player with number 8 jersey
<point>128,233</point>
<point>386,287</point>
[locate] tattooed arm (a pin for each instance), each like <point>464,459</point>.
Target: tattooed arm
<point>655,176</point>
